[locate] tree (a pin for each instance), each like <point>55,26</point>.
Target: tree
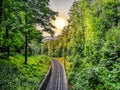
<point>45,15</point>
<point>1,10</point>
<point>18,23</point>
<point>92,43</point>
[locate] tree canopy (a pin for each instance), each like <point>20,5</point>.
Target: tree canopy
<point>17,28</point>
<point>91,44</point>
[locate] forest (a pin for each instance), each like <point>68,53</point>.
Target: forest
<point>21,65</point>
<point>89,45</point>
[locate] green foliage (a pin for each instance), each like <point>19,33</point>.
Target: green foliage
<point>18,22</point>
<point>92,43</point>
<point>97,69</point>
<point>14,75</point>
<point>111,49</point>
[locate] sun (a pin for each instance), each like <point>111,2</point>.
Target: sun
<point>59,23</point>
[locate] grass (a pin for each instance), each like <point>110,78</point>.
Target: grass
<point>14,75</point>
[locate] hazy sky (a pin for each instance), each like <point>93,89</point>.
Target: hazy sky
<point>61,6</point>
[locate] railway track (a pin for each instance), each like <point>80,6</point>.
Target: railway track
<point>57,79</point>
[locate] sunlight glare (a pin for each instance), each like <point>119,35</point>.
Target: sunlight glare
<point>59,23</point>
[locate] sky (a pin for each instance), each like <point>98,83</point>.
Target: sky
<point>62,7</point>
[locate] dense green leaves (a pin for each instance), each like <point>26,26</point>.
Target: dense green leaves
<point>99,52</point>
<point>18,25</point>
<point>14,75</point>
<point>91,41</point>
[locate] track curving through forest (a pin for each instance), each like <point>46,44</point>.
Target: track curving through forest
<point>58,79</point>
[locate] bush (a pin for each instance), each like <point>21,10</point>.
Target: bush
<point>14,75</point>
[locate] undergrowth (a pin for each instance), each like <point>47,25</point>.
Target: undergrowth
<point>14,75</point>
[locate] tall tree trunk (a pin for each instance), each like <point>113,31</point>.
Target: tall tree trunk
<point>26,40</point>
<point>5,15</point>
<point>1,19</point>
<point>7,37</point>
<point>1,10</point>
<point>26,43</point>
<point>7,30</point>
